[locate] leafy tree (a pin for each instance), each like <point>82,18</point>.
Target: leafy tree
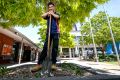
<point>101,30</point>
<point>67,40</point>
<point>85,31</point>
<point>40,45</point>
<point>19,12</point>
<point>116,27</point>
<point>25,12</point>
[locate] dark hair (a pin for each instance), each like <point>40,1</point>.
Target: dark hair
<point>51,3</point>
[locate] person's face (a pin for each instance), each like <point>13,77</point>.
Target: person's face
<point>51,7</point>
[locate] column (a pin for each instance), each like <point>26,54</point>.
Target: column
<point>20,55</point>
<point>36,57</point>
<point>70,54</point>
<point>76,50</point>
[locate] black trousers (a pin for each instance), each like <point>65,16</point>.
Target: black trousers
<point>55,38</point>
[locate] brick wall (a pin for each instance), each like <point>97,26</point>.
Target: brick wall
<point>6,44</point>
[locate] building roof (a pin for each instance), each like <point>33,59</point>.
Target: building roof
<point>17,36</point>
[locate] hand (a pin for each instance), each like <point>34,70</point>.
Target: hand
<point>50,12</point>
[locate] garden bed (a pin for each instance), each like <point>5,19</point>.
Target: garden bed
<point>67,69</point>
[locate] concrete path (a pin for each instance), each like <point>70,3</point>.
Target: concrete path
<point>101,67</point>
<point>104,71</point>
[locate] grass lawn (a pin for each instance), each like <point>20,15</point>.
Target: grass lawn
<point>113,62</point>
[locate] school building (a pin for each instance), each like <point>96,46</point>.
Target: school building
<point>15,47</point>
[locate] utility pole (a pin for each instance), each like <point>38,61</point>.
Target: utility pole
<point>112,36</point>
<point>83,45</point>
<point>95,51</point>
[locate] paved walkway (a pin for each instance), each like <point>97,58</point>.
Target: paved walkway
<point>100,67</point>
<point>96,77</point>
<point>105,71</point>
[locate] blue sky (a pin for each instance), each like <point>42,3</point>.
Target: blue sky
<point>30,32</point>
<point>112,8</point>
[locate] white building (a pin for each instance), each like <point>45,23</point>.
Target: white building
<point>75,51</point>
<point>78,50</point>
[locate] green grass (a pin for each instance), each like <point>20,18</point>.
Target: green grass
<point>112,62</point>
<point>72,68</point>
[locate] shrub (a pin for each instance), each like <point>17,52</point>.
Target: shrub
<point>107,57</point>
<point>3,70</point>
